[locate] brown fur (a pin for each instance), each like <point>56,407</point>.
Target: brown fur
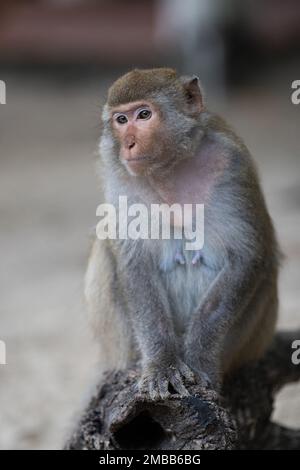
<point>183,322</point>
<point>139,84</point>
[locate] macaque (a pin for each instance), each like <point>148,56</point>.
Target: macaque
<point>183,316</point>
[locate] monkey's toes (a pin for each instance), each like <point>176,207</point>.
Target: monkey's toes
<point>160,382</point>
<point>189,375</point>
<point>176,379</point>
<point>163,383</point>
<point>154,388</point>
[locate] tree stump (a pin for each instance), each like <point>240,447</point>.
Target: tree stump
<point>117,417</point>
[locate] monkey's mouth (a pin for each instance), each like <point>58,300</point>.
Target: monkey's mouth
<point>136,159</point>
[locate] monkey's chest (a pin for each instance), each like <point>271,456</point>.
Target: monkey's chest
<point>186,277</point>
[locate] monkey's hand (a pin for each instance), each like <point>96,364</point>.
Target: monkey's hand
<point>161,378</point>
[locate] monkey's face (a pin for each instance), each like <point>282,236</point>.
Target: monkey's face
<point>138,130</point>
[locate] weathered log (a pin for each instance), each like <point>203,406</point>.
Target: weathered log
<point>117,417</point>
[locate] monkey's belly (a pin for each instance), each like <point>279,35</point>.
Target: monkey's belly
<point>185,284</point>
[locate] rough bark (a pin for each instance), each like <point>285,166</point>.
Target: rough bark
<point>118,418</point>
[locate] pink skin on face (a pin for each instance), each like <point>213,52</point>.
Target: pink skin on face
<point>134,124</point>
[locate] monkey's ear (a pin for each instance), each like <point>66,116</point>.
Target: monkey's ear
<point>193,93</point>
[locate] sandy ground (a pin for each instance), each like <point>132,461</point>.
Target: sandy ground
<point>48,197</point>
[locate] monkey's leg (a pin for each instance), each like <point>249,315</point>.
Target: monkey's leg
<point>149,309</point>
<point>223,306</point>
<point>255,329</point>
<point>107,310</point>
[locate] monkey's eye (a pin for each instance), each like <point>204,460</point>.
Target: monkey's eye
<point>144,114</point>
<point>121,119</point>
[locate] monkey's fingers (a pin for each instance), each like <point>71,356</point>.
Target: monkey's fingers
<point>155,388</point>
<point>163,385</point>
<point>177,383</point>
<point>143,385</point>
<point>158,387</point>
<point>188,373</point>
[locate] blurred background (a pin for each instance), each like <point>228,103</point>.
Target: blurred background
<point>57,58</point>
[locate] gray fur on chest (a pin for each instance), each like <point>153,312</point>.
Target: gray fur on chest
<point>185,284</point>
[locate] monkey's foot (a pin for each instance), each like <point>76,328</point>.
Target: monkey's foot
<point>160,381</point>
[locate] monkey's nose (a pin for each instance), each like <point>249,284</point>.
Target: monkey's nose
<point>130,142</point>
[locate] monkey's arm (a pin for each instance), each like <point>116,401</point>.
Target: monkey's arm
<point>223,305</point>
<point>154,331</point>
